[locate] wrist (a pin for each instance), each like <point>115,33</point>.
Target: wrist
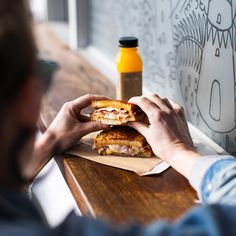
<point>183,159</point>
<point>44,150</point>
<point>47,144</point>
<point>170,150</point>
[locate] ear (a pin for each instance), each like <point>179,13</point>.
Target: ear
<point>27,104</point>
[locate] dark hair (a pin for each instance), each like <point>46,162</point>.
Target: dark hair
<point>17,64</point>
<point>17,48</point>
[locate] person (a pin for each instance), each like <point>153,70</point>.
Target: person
<point>22,156</point>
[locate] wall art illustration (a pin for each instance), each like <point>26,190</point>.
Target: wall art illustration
<point>207,45</point>
<point>204,42</point>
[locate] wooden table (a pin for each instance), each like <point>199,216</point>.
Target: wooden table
<point>99,190</point>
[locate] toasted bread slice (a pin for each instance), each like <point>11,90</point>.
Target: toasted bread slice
<point>122,135</point>
<point>115,104</point>
<point>122,141</point>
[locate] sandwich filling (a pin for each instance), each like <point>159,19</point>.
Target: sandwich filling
<point>112,113</point>
<point>123,149</point>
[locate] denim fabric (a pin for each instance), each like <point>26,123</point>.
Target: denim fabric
<point>219,184</point>
<point>200,169</point>
<point>18,216</point>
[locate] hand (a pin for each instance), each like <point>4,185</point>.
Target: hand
<point>168,131</point>
<point>70,125</point>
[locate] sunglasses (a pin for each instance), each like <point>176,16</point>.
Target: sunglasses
<point>45,71</point>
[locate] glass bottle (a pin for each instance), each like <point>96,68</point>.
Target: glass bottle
<point>129,66</point>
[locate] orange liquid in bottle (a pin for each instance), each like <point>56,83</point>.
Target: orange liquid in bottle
<point>129,66</point>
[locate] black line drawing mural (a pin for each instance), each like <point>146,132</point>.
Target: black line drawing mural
<point>215,94</point>
<point>204,42</point>
<point>204,45</point>
<point>204,39</point>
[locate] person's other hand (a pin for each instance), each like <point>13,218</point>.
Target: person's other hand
<point>70,125</point>
<point>168,131</point>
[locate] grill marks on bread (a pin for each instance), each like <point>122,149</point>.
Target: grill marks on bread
<point>122,135</point>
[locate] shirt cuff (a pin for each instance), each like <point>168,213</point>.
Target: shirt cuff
<point>200,168</point>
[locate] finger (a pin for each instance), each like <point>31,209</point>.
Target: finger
<point>86,100</point>
<point>161,103</point>
<point>178,109</point>
<point>131,100</point>
<point>146,105</point>
<point>166,101</point>
<point>84,118</point>
<point>92,126</point>
<point>139,126</point>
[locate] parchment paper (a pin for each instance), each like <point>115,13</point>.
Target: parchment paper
<point>142,166</point>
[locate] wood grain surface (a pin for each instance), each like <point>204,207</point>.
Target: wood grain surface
<point>102,191</point>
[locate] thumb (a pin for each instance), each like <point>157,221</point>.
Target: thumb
<point>92,126</point>
<point>141,127</point>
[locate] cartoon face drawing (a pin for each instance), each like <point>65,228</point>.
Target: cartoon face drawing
<point>220,14</point>
<point>215,93</point>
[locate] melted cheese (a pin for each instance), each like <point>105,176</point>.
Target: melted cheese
<point>112,113</point>
<point>128,150</point>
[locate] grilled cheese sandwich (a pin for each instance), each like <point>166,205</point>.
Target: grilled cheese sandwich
<point>122,141</point>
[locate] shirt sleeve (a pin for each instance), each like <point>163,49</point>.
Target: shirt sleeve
<point>214,178</point>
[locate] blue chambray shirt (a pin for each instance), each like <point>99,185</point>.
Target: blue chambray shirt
<point>214,178</point>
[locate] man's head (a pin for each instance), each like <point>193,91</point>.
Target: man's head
<point>17,48</point>
<point>19,88</point>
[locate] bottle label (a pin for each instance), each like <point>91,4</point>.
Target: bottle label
<point>129,85</point>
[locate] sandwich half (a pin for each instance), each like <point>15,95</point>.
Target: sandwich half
<point>115,112</point>
<point>122,141</point>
